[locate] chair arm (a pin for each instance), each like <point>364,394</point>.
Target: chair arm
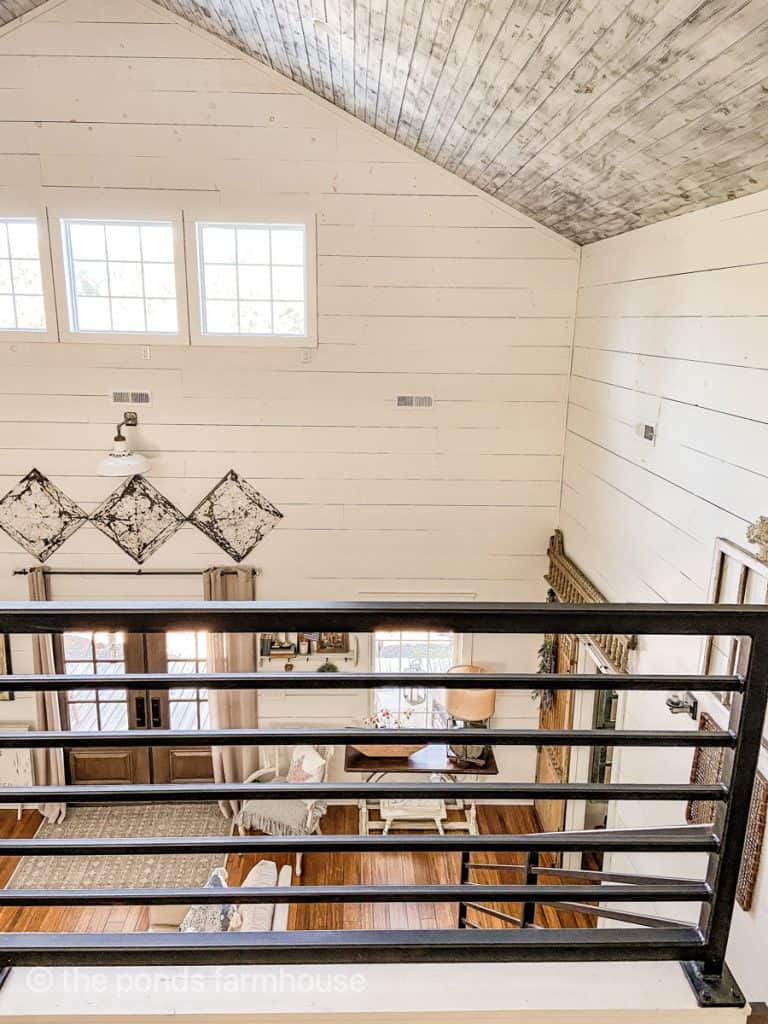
<point>259,773</point>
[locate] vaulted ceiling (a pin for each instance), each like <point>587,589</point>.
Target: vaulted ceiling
<point>592,116</point>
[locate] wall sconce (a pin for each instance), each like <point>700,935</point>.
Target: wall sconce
<point>121,461</point>
<point>683,704</point>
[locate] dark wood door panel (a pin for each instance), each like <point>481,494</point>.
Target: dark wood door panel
<point>106,766</point>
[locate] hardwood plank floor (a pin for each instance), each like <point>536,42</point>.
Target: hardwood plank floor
<point>319,869</point>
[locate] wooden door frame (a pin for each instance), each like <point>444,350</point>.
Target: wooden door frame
<point>138,758</point>
<point>144,652</point>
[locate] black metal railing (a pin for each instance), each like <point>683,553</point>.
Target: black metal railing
<point>700,947</point>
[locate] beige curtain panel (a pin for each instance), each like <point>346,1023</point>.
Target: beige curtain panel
<point>49,763</point>
<point>232,652</point>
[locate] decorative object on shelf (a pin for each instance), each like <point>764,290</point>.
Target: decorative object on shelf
<point>39,516</point>
<point>288,666</point>
<point>571,586</point>
<point>385,719</point>
<point>303,645</point>
<point>235,516</point>
<point>547,655</point>
<point>138,518</point>
<point>5,664</point>
<point>757,533</point>
<point>707,770</point>
<point>332,643</point>
<point>281,647</point>
<point>121,461</point>
<point>328,666</point>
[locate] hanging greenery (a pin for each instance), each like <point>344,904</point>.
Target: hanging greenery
<point>547,666</point>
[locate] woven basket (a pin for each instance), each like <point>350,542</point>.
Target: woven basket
<point>388,749</point>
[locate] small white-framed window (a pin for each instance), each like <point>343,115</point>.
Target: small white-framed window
<point>22,300</point>
<point>410,651</point>
<point>121,276</point>
<point>253,279</point>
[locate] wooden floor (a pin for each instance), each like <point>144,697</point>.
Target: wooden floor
<point>319,869</point>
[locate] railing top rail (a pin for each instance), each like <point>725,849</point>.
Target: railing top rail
<point>24,683</point>
<point>367,616</point>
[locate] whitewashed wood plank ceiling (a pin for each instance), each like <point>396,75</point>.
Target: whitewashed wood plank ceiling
<point>592,116</point>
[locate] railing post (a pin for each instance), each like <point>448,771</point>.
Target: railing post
<point>531,877</point>
<point>711,979</point>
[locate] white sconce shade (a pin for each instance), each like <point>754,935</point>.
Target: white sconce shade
<point>121,461</point>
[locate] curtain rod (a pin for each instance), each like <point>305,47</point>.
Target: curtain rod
<point>131,572</point>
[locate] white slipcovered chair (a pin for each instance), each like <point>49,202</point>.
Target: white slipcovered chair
<point>289,817</point>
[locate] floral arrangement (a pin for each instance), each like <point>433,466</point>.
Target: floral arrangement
<point>385,719</point>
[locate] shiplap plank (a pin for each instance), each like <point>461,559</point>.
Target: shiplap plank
<point>121,40</point>
<point>439,242</point>
<point>608,43</point>
<point>121,11</point>
<point>742,291</point>
<point>68,75</point>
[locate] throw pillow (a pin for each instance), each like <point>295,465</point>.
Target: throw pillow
<point>213,917</point>
<point>307,765</point>
<point>257,917</point>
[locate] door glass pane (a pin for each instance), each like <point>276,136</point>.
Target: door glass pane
<point>187,654</point>
<point>95,654</point>
<point>83,717</point>
<point>113,716</point>
<point>184,714</point>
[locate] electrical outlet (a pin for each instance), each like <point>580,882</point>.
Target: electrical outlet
<point>306,355</point>
<point>146,352</point>
<point>649,432</point>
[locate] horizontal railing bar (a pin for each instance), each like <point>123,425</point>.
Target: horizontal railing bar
<point>692,839</point>
<point>360,791</point>
<point>72,949</point>
<point>626,916</point>
<point>499,915</point>
<point>27,683</point>
<point>598,876</point>
<point>610,876</point>
<point>369,616</point>
<point>375,737</point>
<point>690,892</point>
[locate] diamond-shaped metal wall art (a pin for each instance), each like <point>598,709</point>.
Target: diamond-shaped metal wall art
<point>235,516</point>
<point>138,518</point>
<point>39,516</point>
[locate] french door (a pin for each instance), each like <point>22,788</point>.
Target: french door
<point>98,703</point>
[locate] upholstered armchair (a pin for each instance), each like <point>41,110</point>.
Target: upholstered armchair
<point>288,817</point>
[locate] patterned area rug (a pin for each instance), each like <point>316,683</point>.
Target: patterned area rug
<point>136,871</point>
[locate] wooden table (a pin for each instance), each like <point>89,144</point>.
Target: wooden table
<point>434,759</point>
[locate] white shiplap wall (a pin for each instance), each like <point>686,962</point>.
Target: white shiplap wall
<point>671,332</point>
<point>425,287</point>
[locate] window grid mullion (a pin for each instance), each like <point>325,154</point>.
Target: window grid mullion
<point>143,282</point>
<point>13,282</point>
